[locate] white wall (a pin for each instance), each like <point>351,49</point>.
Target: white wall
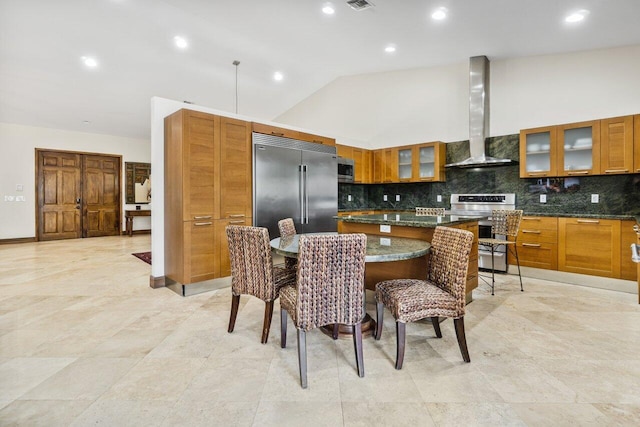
<point>410,106</point>
<point>17,167</point>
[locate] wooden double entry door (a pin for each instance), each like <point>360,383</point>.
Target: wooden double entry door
<point>78,194</point>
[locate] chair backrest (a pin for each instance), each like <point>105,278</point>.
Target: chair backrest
<point>449,262</point>
<point>286,227</point>
<point>506,222</point>
<point>330,280</point>
<point>430,211</point>
<point>251,262</point>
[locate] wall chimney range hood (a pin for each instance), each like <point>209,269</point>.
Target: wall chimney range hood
<point>479,118</point>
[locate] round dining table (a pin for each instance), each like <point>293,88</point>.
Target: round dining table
<point>380,249</point>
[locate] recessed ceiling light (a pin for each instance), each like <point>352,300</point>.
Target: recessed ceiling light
<point>181,42</point>
<point>440,13</point>
<point>328,9</point>
<point>576,16</point>
<point>390,48</point>
<point>278,76</point>
<point>90,61</point>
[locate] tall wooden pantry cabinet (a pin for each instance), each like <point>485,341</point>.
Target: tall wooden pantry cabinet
<point>207,187</point>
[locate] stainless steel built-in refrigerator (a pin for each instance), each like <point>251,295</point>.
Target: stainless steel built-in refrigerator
<point>294,179</point>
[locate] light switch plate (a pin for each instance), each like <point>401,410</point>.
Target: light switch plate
<point>385,228</point>
<point>397,197</point>
<point>595,198</point>
<point>385,241</point>
<point>384,198</point>
<point>349,198</point>
<point>19,187</point>
<point>439,198</point>
<point>543,198</point>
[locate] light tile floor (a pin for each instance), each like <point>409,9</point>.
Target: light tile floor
<point>84,340</point>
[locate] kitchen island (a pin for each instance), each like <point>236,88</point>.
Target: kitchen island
<point>408,224</point>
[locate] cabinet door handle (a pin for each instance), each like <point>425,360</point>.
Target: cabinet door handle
<point>531,245</point>
<point>202,217</point>
<point>537,173</point>
<point>200,224</point>
<point>237,221</point>
<point>236,215</point>
<point>616,171</point>
<point>531,231</point>
<point>588,221</point>
<point>277,133</point>
<point>526,218</point>
<point>579,173</point>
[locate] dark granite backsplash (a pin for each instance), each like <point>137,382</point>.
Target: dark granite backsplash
<point>619,194</point>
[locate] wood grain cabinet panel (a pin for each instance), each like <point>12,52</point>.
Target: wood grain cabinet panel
<point>362,165</point>
<point>589,246</point>
<point>537,243</point>
<point>628,268</point>
<point>207,186</point>
<point>616,150</point>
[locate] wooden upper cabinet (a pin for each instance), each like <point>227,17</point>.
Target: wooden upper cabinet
<point>579,149</point>
<point>428,163</point>
<point>235,169</point>
<point>362,165</point>
<point>294,134</point>
<point>564,150</point>
<point>389,165</point>
<point>636,146</point>
<point>344,151</point>
<point>537,152</point>
<point>616,145</point>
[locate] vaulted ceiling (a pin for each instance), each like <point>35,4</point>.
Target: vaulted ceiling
<point>44,82</point>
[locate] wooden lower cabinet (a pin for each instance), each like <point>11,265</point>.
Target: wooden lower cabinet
<point>589,246</point>
<point>628,268</point>
<point>537,242</point>
<point>222,246</point>
<point>200,261</point>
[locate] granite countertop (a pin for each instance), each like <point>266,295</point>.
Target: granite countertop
<point>553,214</point>
<point>409,219</point>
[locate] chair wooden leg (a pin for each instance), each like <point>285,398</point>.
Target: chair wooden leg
<point>266,325</point>
<point>302,357</point>
<point>357,343</point>
<point>336,331</point>
<point>462,340</point>
<point>379,320</point>
<point>283,328</point>
<point>235,302</point>
<point>435,321</point>
<point>400,341</point>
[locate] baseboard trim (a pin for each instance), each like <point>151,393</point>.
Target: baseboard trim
<point>608,283</point>
<point>134,232</point>
<point>198,288</point>
<point>18,240</point>
<point>157,282</point>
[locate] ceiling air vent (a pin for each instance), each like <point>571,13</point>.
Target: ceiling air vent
<point>359,4</point>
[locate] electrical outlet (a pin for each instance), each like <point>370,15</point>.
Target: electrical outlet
<point>595,198</point>
<point>8,198</point>
<point>20,199</point>
<point>349,198</point>
<point>19,187</point>
<point>543,198</point>
<point>439,198</point>
<point>385,228</point>
<point>385,241</point>
<point>397,197</point>
<point>384,198</point>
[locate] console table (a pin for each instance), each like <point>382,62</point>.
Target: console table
<point>130,214</point>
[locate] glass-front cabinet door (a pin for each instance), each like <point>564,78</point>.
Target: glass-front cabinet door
<point>430,161</point>
<point>405,164</point>
<point>579,149</point>
<point>538,152</point>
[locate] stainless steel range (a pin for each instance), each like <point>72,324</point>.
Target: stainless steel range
<point>481,205</point>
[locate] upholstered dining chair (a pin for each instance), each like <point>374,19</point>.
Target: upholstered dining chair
<point>253,272</point>
<point>329,290</point>
<point>429,211</point>
<point>504,222</point>
<point>287,229</point>
<point>442,294</point>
